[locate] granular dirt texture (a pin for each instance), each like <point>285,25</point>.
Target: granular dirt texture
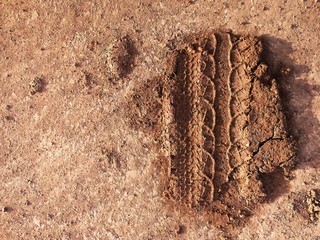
<point>307,204</point>
<point>313,201</point>
<point>224,134</point>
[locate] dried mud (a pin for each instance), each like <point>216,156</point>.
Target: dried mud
<point>72,167</point>
<point>223,133</point>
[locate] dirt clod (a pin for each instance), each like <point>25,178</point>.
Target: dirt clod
<point>313,203</point>
<point>36,85</point>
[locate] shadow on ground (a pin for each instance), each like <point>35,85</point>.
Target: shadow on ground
<point>297,96</point>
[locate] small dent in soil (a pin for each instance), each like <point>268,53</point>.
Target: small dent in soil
<point>121,57</point>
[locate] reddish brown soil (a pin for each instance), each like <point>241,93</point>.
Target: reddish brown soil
<point>73,166</point>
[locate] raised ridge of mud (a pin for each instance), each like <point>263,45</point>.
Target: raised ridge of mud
<point>223,130</point>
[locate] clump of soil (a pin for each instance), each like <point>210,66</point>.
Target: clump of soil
<point>313,202</point>
<point>307,204</point>
<point>36,85</point>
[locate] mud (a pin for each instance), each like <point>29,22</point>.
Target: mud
<point>223,133</point>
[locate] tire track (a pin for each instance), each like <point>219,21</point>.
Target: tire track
<point>211,116</point>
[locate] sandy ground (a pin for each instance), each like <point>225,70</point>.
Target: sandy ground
<point>73,168</point>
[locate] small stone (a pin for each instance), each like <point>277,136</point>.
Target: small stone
<point>285,71</point>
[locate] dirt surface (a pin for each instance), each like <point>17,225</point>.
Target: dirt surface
<point>74,167</point>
